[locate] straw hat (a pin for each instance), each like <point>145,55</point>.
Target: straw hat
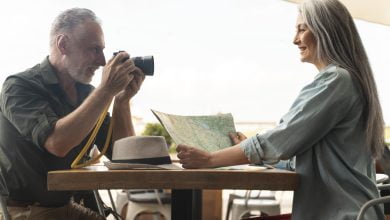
<point>141,150</point>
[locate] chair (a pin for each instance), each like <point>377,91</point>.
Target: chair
<point>155,202</point>
<point>380,180</point>
<point>252,200</point>
<point>3,197</point>
<point>121,202</point>
<point>374,202</point>
<point>104,209</point>
<point>275,217</point>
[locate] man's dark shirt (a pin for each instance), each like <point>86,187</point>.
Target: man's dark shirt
<point>31,102</point>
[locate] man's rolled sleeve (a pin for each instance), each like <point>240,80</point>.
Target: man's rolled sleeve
<point>43,129</point>
<point>27,111</point>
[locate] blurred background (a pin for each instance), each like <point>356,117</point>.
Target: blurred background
<point>219,56</point>
<point>210,56</point>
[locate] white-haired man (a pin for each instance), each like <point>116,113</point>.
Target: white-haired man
<point>49,110</point>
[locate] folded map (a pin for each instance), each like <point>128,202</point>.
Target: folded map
<point>208,132</point>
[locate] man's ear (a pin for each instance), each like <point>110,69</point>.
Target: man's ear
<point>62,44</point>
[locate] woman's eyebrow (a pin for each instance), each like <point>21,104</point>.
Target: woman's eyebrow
<point>301,25</point>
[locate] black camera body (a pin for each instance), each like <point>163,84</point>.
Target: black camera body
<point>146,63</point>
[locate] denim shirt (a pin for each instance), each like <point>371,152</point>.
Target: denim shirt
<point>324,131</point>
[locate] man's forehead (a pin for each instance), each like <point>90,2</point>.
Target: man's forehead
<point>89,32</point>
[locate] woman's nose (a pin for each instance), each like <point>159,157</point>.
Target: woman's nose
<point>296,39</point>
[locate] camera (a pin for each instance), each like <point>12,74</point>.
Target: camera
<point>145,63</point>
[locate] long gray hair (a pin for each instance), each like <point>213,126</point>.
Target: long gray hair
<point>339,43</point>
<point>67,20</point>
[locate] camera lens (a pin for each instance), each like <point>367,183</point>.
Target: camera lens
<point>146,64</point>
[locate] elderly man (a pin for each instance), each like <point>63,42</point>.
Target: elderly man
<point>49,110</point>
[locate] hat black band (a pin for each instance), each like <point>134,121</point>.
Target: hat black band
<point>151,161</point>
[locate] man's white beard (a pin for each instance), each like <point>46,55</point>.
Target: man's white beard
<point>81,78</point>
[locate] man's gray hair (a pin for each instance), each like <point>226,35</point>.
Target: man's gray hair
<point>68,20</point>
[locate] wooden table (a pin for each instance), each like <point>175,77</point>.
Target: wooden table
<point>186,185</point>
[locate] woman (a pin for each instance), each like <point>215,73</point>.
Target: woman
<point>334,127</point>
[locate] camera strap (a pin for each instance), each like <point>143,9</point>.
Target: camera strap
<point>91,140</point>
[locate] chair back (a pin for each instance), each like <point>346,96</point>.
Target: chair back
<point>3,197</point>
<point>377,201</point>
<point>3,187</point>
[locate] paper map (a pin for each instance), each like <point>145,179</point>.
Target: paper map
<point>209,132</point>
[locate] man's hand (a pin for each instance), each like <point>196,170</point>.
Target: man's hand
<point>191,157</point>
<point>116,73</point>
<point>132,88</point>
<point>237,137</point>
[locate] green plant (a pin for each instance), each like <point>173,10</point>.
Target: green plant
<point>387,133</point>
<point>156,129</point>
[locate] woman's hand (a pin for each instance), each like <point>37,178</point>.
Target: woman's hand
<point>237,137</point>
<point>191,157</point>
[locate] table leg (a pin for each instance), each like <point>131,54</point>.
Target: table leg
<point>186,204</point>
